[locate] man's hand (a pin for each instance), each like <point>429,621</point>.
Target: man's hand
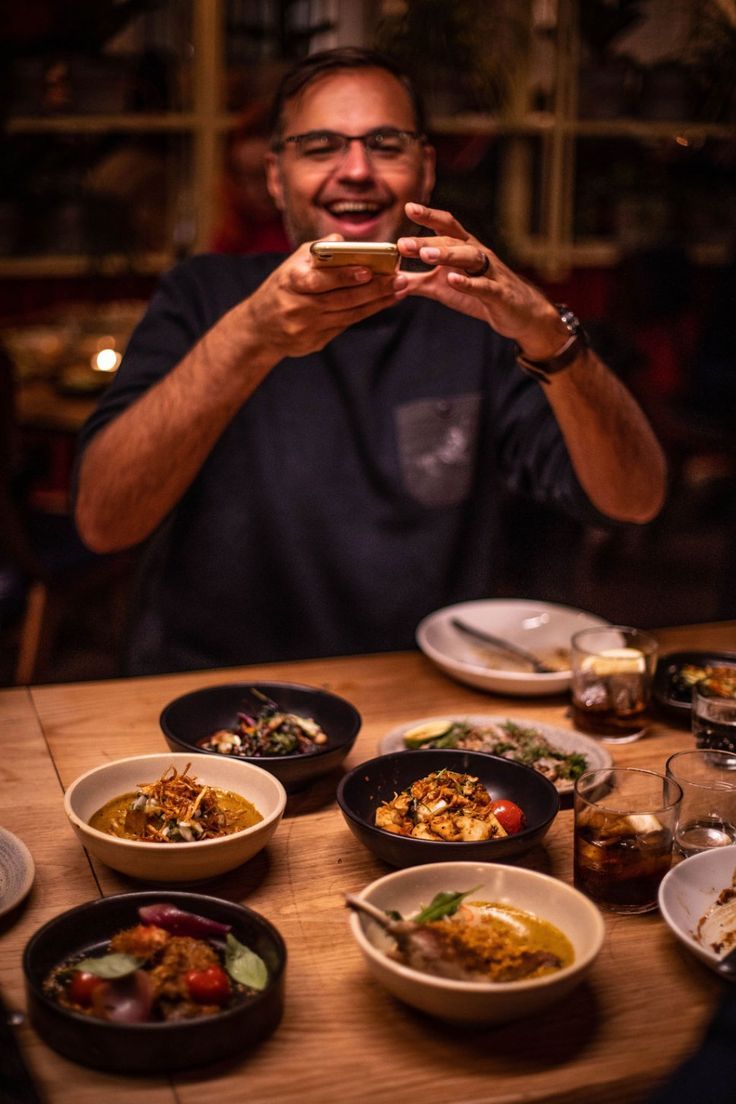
<point>138,467</point>
<point>612,448</point>
<point>302,306</point>
<point>496,295</point>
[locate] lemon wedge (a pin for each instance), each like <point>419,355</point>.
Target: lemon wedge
<point>615,661</point>
<point>420,734</point>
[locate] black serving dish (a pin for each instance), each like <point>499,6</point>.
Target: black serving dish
<point>196,715</point>
<point>672,696</point>
<point>367,786</point>
<point>150,1048</point>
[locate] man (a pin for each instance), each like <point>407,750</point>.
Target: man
<point>316,455</point>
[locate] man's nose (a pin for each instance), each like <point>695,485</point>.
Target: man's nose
<point>356,163</point>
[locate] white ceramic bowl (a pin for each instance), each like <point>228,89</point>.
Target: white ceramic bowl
<point>689,889</point>
<point>175,862</point>
<point>17,871</point>
<point>478,1002</point>
<point>535,626</point>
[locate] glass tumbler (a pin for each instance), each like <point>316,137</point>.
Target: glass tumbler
<point>708,810</point>
<point>612,672</point>
<point>624,829</point>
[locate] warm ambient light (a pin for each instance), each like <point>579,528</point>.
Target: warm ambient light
<point>107,360</point>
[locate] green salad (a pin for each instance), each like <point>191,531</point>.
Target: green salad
<point>523,744</point>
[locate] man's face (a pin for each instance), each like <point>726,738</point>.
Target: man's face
<point>357,195</point>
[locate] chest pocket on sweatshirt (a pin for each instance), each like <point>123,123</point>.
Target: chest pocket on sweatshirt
<point>437,447</point>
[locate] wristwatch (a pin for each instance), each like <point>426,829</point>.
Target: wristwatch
<point>575,344</point>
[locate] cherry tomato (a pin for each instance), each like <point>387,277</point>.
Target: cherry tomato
<point>508,815</point>
<point>210,986</point>
<point>82,986</point>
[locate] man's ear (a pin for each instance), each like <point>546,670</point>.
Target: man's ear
<point>273,180</point>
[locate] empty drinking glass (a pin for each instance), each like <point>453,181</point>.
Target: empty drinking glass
<point>708,810</point>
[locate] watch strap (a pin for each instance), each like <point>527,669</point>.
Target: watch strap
<point>570,351</point>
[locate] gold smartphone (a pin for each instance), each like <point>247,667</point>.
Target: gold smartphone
<point>381,257</point>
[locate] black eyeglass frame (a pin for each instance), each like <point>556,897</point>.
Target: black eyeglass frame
<point>346,139</point>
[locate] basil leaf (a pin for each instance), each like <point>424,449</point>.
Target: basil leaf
<point>109,966</point>
<point>443,904</point>
<point>244,965</point>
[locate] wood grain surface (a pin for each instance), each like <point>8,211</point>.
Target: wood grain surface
<point>641,1011</point>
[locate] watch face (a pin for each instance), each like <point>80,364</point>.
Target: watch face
<point>570,320</point>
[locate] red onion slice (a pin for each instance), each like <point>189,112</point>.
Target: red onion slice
<point>125,1000</point>
<point>178,922</point>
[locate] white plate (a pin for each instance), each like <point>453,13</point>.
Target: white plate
<point>536,626</point>
<point>561,738</point>
<point>688,891</point>
<point>16,871</point>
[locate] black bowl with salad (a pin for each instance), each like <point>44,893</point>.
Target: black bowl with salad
<point>154,982</point>
<point>298,733</point>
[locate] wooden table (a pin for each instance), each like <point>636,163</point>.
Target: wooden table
<point>343,1038</point>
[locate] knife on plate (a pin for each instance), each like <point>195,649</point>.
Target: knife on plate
<point>482,637</point>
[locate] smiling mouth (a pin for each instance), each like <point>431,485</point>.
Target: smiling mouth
<point>354,210</point>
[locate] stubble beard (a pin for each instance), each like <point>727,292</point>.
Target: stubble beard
<point>306,228</point>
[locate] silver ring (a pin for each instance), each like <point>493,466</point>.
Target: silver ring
<point>486,264</point>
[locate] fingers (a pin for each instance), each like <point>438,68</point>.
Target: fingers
<point>323,281</point>
<point>382,293</point>
<point>468,259</point>
<point>442,222</point>
<point>345,294</point>
<point>473,262</point>
<point>334,322</point>
<point>484,263</point>
<point>308,278</point>
<point>473,285</point>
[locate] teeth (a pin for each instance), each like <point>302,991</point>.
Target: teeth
<point>352,207</point>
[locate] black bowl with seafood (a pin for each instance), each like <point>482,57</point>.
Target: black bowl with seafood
<point>378,780</point>
<point>196,716</point>
<point>150,1047</point>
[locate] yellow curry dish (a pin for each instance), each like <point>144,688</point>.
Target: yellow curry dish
<point>176,808</point>
<point>480,941</point>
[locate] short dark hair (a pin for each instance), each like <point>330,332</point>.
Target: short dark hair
<point>310,68</point>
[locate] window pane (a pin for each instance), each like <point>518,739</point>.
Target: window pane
<point>473,181</point>
<point>92,194</point>
<point>638,193</point>
<point>262,39</point>
<point>114,63</point>
<point>667,59</point>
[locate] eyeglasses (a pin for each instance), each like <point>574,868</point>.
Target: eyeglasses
<point>327,146</point>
